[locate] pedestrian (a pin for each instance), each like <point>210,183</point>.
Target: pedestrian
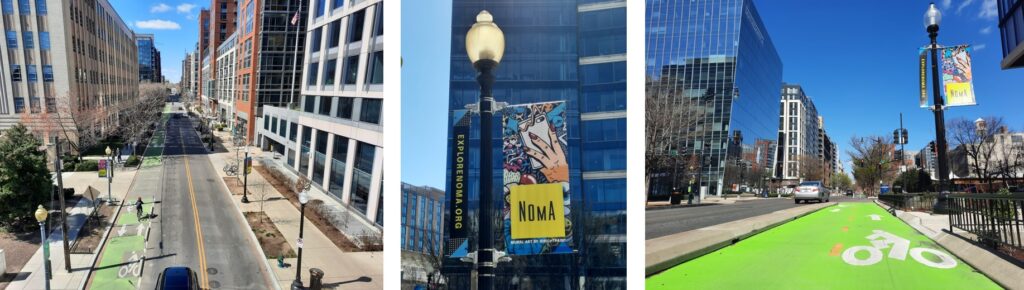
<point>138,207</point>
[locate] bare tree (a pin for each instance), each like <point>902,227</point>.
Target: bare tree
<point>140,113</point>
<point>873,161</point>
<point>671,119</point>
<point>79,126</point>
<point>812,168</point>
<point>979,145</point>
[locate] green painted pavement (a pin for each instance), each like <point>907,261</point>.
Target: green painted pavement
<point>128,215</point>
<point>115,270</point>
<point>156,144</point>
<point>808,253</point>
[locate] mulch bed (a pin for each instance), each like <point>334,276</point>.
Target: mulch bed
<point>321,223</point>
<point>92,232</point>
<point>271,240</point>
<point>18,249</point>
<point>234,185</point>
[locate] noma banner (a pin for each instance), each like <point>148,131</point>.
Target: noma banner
<point>458,212</point>
<point>536,215</point>
<point>957,80</point>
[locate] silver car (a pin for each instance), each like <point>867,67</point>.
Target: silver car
<point>811,190</point>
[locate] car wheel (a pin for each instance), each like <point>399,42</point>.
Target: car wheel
<point>796,201</point>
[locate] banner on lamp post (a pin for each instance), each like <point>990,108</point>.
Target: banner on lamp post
<point>923,63</point>
<point>957,79</point>
<point>537,211</point>
<point>457,245</point>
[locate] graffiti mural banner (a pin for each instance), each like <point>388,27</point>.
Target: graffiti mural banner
<point>537,211</point>
<point>957,80</point>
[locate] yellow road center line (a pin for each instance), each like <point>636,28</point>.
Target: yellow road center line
<point>836,250</point>
<point>204,280</point>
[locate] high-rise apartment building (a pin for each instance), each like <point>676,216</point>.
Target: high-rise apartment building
<point>334,135</point>
<point>75,55</point>
<point>202,53</point>
<point>224,87</point>
<point>718,58</point>
<point>800,134</point>
<point>558,50</point>
<point>422,227</point>
<point>186,74</point>
<point>1011,32</point>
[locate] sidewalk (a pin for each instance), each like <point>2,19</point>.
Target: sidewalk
<point>707,200</point>
<point>960,243</point>
<point>31,275</point>
<point>348,270</point>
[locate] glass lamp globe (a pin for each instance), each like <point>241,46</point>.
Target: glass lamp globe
<point>485,41</point>
<point>41,214</point>
<point>932,16</point>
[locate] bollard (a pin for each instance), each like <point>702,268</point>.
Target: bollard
<point>316,277</point>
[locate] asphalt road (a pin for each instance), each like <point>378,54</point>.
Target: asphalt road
<point>663,222</point>
<point>225,256</point>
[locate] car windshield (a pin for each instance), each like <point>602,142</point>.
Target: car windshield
<point>809,183</point>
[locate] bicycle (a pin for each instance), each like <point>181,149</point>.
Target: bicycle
<point>900,247</point>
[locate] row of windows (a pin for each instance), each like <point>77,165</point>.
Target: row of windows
<point>369,110</point>
<point>23,7</point>
<point>27,38</point>
<point>31,73</point>
<point>356,22</point>
<point>349,74</point>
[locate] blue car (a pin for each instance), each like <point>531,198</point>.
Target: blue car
<point>177,278</point>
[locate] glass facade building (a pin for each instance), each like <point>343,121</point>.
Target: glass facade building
<point>556,50</point>
<point>717,56</point>
<point>1011,32</point>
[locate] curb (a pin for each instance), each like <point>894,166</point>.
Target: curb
<point>103,242</point>
<point>668,251</point>
<point>1001,271</point>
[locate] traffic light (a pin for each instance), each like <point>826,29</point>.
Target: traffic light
<point>896,136</point>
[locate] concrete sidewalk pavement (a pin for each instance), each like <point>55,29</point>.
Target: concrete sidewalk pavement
<point>349,270</point>
<point>31,275</point>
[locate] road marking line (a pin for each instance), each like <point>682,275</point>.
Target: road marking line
<point>204,280</point>
<point>875,217</point>
<point>838,248</point>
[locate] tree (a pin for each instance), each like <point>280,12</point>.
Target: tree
<point>914,181</point>
<point>978,144</point>
<point>80,126</point>
<point>25,182</point>
<point>812,168</point>
<point>671,119</point>
<point>872,161</point>
<point>842,182</point>
<point>136,118</point>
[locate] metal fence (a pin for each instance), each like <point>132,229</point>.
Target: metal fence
<point>909,201</point>
<point>997,219</point>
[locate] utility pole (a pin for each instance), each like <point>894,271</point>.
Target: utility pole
<point>63,209</point>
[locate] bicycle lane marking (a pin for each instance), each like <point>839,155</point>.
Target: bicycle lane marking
<point>120,263</point>
<point>798,255</point>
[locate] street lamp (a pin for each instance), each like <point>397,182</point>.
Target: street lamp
<point>110,174</point>
<point>245,176</point>
<point>303,199</point>
<point>485,45</point>
<point>932,18</point>
<point>41,214</point>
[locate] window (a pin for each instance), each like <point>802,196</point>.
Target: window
<point>41,7</point>
<point>333,34</point>
<point>19,105</point>
<point>355,26</point>
<point>284,126</point>
<point>307,137</point>
<point>320,7</point>
<point>308,104</point>
<point>351,63</point>
<point>325,105</point>
<point>314,68</point>
<point>338,166</point>
<point>338,3</point>
<point>293,131</point>
<point>12,39</point>
<point>24,7</point>
<point>361,177</point>
<point>379,26</point>
<point>314,43</point>
<point>329,69</point>
<point>47,73</point>
<point>44,40</point>
<point>370,111</point>
<point>375,69</point>
<point>32,77</point>
<point>344,108</point>
<point>273,125</point>
<point>28,39</point>
<point>9,6</point>
<point>15,72</point>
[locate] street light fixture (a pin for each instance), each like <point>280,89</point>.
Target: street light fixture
<point>41,214</point>
<point>485,45</point>
<point>303,199</point>
<point>932,18</point>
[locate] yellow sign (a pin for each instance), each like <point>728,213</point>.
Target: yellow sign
<point>959,94</point>
<point>538,211</point>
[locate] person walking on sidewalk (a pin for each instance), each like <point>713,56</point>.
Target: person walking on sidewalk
<point>138,208</point>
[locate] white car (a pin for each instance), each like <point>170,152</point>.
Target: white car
<point>811,190</point>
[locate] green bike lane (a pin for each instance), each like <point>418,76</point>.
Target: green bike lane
<point>848,246</point>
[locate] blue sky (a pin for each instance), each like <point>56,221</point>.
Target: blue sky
<point>426,34</point>
<point>856,59</point>
<point>174,25</point>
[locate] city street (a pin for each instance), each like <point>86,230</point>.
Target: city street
<point>194,202</point>
<point>666,221</point>
<point>837,247</point>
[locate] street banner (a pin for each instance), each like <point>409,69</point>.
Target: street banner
<point>956,76</point>
<point>537,211</point>
<point>102,166</point>
<point>459,191</point>
<point>248,165</point>
<point>923,61</point>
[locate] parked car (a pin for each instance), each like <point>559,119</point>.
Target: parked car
<point>811,190</point>
<point>849,192</point>
<point>177,278</point>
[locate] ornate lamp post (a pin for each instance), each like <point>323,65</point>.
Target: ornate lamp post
<point>302,185</point>
<point>110,174</point>
<point>932,18</point>
<point>41,214</point>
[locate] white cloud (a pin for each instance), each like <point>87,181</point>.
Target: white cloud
<point>986,30</point>
<point>980,46</point>
<point>160,8</point>
<point>158,24</point>
<point>945,4</point>
<point>988,10</point>
<point>963,5</point>
<point>185,8</point>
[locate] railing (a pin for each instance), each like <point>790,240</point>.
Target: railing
<point>997,219</point>
<point>909,201</point>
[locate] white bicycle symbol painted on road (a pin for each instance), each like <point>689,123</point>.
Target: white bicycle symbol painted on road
<point>134,267</point>
<point>900,247</point>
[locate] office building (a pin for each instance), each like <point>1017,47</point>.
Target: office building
<point>927,160</point>
<point>560,50</point>
<point>62,55</point>
<point>799,135</point>
<point>725,66</point>
<point>1011,32</point>
<point>186,74</point>
<point>224,87</point>
<point>334,135</point>
<point>149,70</point>
<point>202,59</point>
<point>421,235</point>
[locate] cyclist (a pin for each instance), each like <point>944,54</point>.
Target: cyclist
<point>138,207</point>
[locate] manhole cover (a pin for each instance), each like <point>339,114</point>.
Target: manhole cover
<point>211,271</point>
<point>214,284</point>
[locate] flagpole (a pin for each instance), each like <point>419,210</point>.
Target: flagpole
<point>295,53</point>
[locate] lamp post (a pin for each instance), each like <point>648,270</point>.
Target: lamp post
<point>303,199</point>
<point>485,45</point>
<point>110,174</point>
<point>899,136</point>
<point>41,214</point>
<point>932,18</point>
<point>245,177</point>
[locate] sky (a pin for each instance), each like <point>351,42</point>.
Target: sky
<point>857,60</point>
<point>174,25</point>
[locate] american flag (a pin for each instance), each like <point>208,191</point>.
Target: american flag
<point>295,19</point>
